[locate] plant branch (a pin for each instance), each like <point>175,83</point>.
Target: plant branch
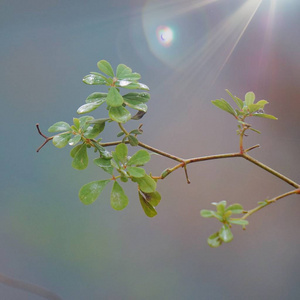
<point>47,139</point>
<point>31,288</point>
<point>123,129</point>
<point>270,170</point>
<point>268,202</point>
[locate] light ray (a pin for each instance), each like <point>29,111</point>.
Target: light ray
<point>213,51</point>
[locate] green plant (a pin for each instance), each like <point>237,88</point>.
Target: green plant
<point>83,135</point>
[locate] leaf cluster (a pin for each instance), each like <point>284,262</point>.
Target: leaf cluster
<point>128,168</point>
<point>84,132</point>
<point>223,214</point>
<point>116,104</point>
<point>246,108</point>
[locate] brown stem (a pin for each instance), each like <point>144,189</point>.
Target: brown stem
<point>31,288</point>
<point>47,139</point>
<point>268,202</point>
<point>270,170</point>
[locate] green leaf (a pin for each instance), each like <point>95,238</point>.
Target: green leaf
<point>220,206</point>
<point>120,133</point>
<point>237,100</point>
<point>93,131</point>
<point>118,198</point>
<point>91,191</point>
<point>136,171</point>
<point>264,116</point>
<point>214,240</point>
<point>114,99</point>
<point>119,114</point>
<point>136,131</point>
<point>235,208</point>
<point>61,140</point>
<point>123,71</point>
<point>74,150</point>
<point>103,153</point>
<point>238,222</point>
<point>94,97</point>
<point>249,98</point>
<point>227,214</point>
<point>205,213</point>
<point>83,122</point>
<point>76,123</point>
<point>137,97</point>
<point>121,152</point>
<point>132,85</point>
<point>147,184</point>
<point>222,104</point>
<point>262,103</point>
<point>217,215</point>
<point>225,234</point>
<point>81,159</point>
<point>98,121</point>
<point>153,198</point>
<point>263,203</point>
<point>88,107</point>
<point>133,141</point>
<point>138,106</point>
<point>255,130</point>
<point>147,207</point>
<point>59,126</point>
<point>104,164</point>
<point>137,100</point>
<point>94,79</point>
<point>253,107</point>
<point>74,140</point>
<point>105,67</point>
<point>139,158</point>
<point>133,77</point>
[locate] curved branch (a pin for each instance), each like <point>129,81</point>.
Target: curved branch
<point>268,202</point>
<point>31,288</point>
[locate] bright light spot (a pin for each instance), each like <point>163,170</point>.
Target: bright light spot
<point>164,35</point>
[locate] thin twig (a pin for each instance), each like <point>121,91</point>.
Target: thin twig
<point>268,202</point>
<point>47,139</point>
<point>29,287</point>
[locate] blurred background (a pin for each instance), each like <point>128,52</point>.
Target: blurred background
<point>188,53</point>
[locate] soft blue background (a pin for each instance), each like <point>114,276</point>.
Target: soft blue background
<point>92,252</point>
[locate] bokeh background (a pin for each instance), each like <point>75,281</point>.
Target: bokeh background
<point>188,53</point>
